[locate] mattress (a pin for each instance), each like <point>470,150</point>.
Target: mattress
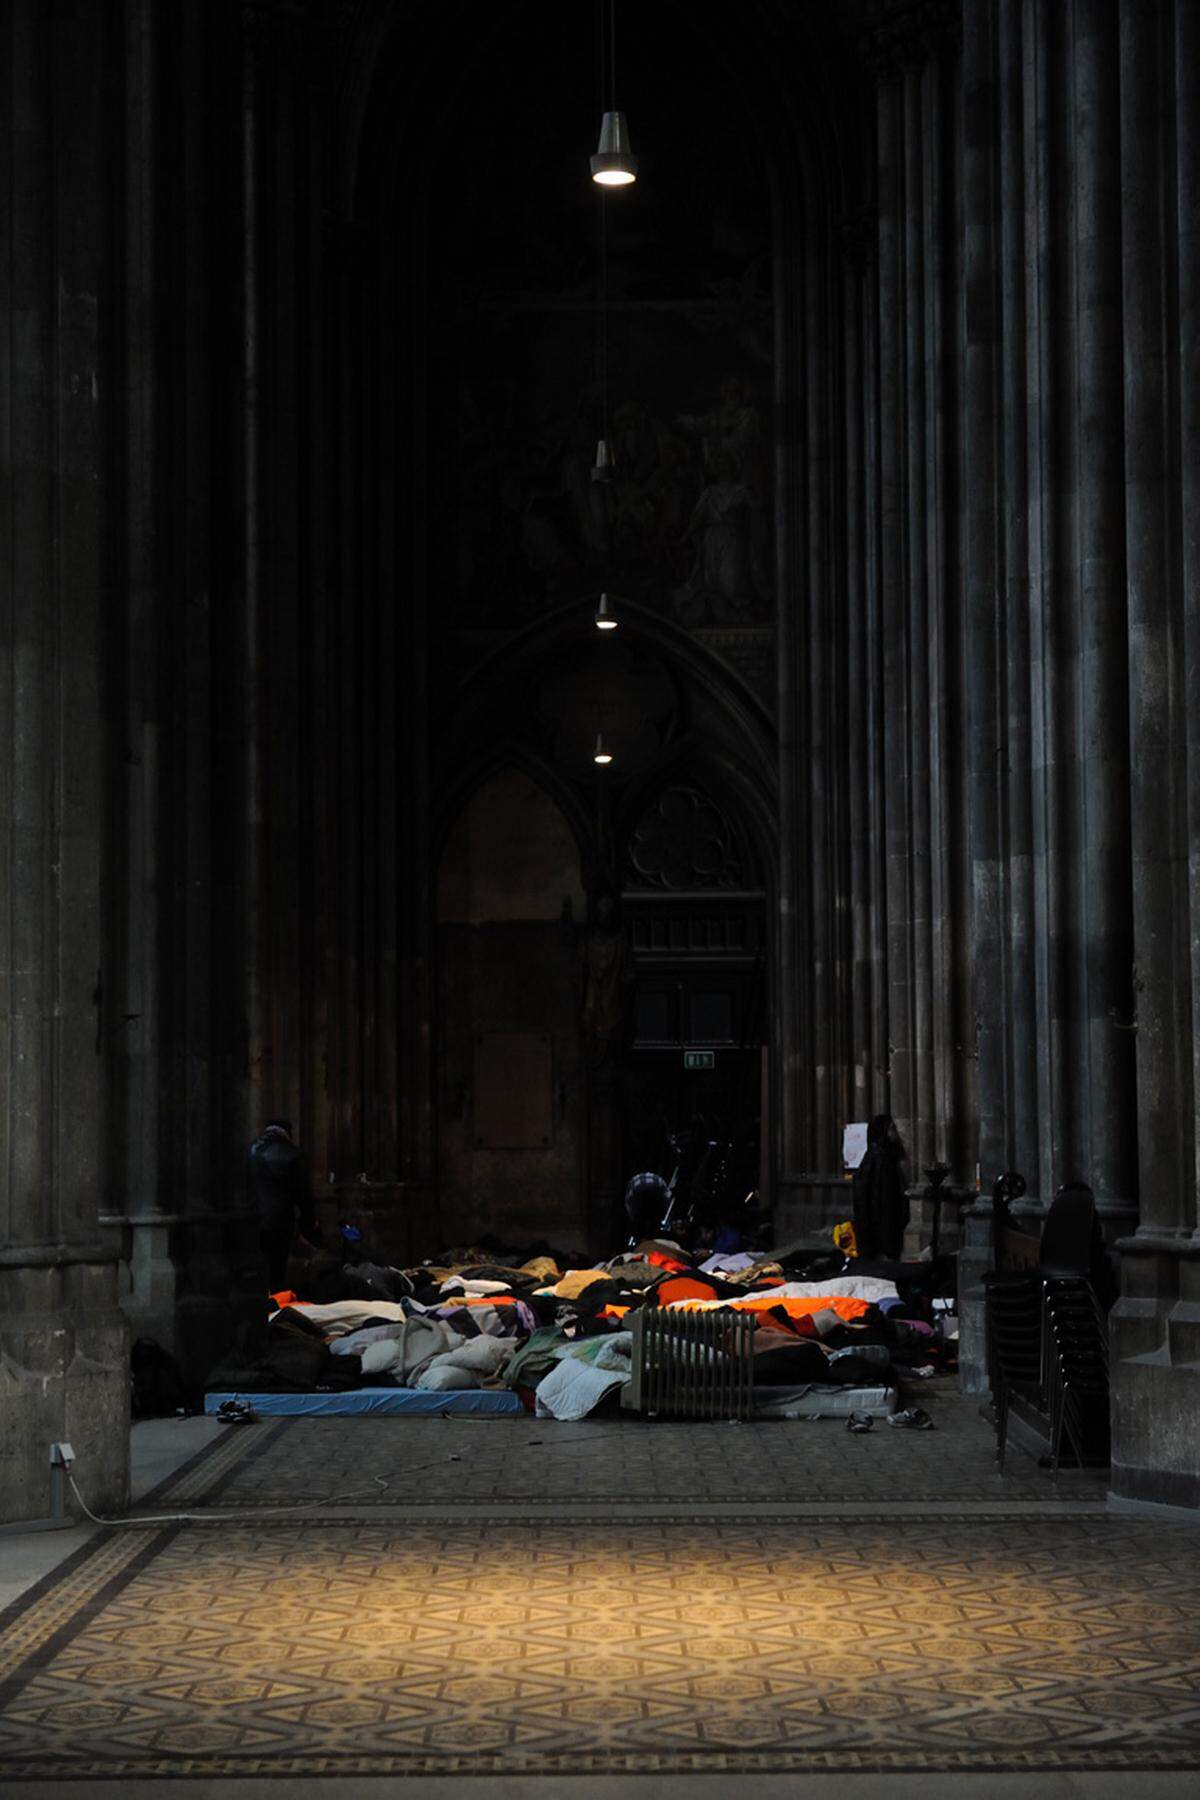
<point>376,1401</point>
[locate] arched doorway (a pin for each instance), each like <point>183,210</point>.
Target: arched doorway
<point>686,733</point>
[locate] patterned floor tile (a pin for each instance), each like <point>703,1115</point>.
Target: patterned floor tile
<point>353,1646</point>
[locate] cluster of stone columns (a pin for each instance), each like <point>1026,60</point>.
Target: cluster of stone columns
<point>1079,360</point>
<point>179,700</point>
<point>1047,645</point>
<point>1156,1325</point>
<point>63,1342</point>
<point>905,881</point>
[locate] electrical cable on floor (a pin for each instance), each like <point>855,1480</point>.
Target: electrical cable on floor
<point>224,1518</point>
<point>259,1514</point>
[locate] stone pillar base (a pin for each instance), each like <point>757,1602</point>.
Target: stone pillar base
<point>194,1282</point>
<point>64,1376</point>
<point>1155,1350</point>
<point>149,1278</point>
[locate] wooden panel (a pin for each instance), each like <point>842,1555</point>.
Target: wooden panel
<point>514,1090</point>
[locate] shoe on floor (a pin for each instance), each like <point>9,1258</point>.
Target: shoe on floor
<point>913,1418</point>
<point>859,1421</point>
<point>236,1412</point>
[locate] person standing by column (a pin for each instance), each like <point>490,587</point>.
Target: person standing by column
<point>880,1192</point>
<point>280,1189</point>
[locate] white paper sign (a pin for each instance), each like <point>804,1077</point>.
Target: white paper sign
<point>854,1144</point>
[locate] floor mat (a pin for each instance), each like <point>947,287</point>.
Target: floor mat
<point>389,1402</point>
<point>346,1647</point>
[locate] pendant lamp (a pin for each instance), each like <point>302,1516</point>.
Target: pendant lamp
<point>614,164</point>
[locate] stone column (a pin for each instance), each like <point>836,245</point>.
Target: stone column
<point>822,754</point>
<point>860,650</point>
<point>1156,1323</point>
<point>1186,223</point>
<point>921,805</point>
<point>877,1084</point>
<point>1013,771</point>
<point>138,1122</point>
<point>892,589</point>
<point>980,328</point>
<point>1100,1057</point>
<point>921,492</point>
<point>948,883</point>
<point>64,1364</point>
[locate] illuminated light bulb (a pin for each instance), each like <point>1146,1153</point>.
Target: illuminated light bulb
<point>600,754</point>
<point>605,620</point>
<point>614,164</point>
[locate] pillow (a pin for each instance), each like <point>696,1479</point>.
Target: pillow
<point>483,1355</point>
<point>382,1357</point>
<point>446,1377</point>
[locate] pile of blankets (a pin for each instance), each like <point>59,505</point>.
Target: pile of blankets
<point>485,1316</point>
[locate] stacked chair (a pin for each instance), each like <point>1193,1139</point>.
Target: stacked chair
<point>1013,1301</point>
<point>1046,1329</point>
<point>1075,1370</point>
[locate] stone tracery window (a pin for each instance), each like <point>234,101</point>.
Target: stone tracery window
<point>685,841</point>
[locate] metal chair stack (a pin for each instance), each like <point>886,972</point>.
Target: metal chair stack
<point>1046,1329</point>
<point>1014,1338</point>
<point>1075,1370</point>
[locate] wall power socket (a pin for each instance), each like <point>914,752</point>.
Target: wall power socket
<point>61,1456</point>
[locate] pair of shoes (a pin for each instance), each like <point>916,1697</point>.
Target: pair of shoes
<point>913,1418</point>
<point>236,1412</point>
<point>859,1421</point>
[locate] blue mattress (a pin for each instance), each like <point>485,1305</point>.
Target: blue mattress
<point>413,1401</point>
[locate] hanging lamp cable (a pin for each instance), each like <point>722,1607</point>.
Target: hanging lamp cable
<point>606,82</point>
<point>604,317</point>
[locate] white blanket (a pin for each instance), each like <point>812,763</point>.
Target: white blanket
<point>572,1390</point>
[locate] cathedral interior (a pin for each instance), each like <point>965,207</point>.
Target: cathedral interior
<point>337,404</point>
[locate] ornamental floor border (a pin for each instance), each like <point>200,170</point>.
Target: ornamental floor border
<point>739,1643</point>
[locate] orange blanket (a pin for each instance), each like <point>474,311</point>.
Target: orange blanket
<point>841,1304</point>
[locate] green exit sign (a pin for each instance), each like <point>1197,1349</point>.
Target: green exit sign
<point>699,1059</point>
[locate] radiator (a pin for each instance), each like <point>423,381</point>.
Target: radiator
<point>691,1365</point>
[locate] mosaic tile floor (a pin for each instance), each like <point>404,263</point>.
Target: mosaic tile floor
<point>355,1648</point>
<point>505,1644</point>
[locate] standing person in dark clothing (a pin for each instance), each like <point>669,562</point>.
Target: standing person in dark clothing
<point>279,1186</point>
<point>880,1196</point>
